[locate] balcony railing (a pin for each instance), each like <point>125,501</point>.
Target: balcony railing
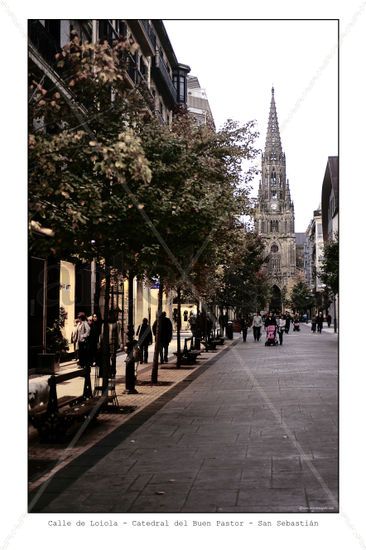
<point>144,34</point>
<point>43,41</point>
<point>107,31</point>
<point>149,31</point>
<point>164,80</point>
<point>138,79</point>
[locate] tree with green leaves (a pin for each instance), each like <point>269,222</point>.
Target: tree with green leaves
<point>120,188</point>
<point>329,273</point>
<point>245,286</point>
<point>302,298</point>
<point>86,172</point>
<point>198,190</point>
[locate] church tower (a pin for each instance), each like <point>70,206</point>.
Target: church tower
<point>274,216</point>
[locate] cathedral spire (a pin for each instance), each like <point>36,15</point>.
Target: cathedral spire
<point>273,139</point>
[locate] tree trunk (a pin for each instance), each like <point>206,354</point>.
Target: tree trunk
<point>179,326</point>
<point>155,367</point>
<point>106,347</point>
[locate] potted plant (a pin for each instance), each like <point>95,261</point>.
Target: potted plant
<point>56,344</point>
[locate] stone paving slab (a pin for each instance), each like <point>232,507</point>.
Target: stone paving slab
<point>229,440</point>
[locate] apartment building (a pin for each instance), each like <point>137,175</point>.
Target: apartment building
<point>197,102</point>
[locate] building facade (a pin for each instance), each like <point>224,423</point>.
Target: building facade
<point>300,246</point>
<point>197,102</point>
<point>274,216</point>
<point>314,254</point>
<point>330,200</point>
<point>330,207</point>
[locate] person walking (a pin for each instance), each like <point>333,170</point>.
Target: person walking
<point>313,323</point>
<point>319,322</point>
<point>270,319</point>
<point>74,337</point>
<point>329,319</point>
<point>257,324</point>
<point>81,337</point>
<point>145,339</point>
<point>288,323</point>
<point>94,338</point>
<point>166,334</point>
<point>281,324</point>
<point>244,328</point>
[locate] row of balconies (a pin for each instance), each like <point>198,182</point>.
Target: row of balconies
<point>46,40</point>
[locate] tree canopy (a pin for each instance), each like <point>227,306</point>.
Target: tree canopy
<point>329,273</point>
<point>302,298</point>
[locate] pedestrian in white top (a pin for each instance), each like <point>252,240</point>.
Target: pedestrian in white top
<point>81,340</point>
<point>257,324</point>
<point>281,324</point>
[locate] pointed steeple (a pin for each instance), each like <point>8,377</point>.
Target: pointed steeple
<point>273,139</point>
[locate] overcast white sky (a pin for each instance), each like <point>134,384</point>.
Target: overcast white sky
<point>238,61</point>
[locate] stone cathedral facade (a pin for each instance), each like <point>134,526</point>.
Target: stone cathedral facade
<point>274,216</point>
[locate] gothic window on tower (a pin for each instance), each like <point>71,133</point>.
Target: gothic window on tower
<point>274,263</point>
<point>274,248</point>
<point>274,226</point>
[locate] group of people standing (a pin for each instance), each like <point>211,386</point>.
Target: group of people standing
<point>144,333</point>
<point>87,338</point>
<point>317,321</point>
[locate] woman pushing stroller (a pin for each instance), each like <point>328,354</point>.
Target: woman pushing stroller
<point>271,328</point>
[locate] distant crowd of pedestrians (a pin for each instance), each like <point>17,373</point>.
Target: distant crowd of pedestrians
<point>282,322</point>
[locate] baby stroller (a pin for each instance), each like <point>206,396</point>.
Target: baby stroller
<point>271,336</point>
<point>297,325</point>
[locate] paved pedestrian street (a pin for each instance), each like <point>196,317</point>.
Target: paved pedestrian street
<point>254,429</point>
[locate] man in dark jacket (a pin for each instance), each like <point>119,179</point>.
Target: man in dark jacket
<point>288,323</point>
<point>145,339</point>
<point>166,334</point>
<point>319,321</point>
